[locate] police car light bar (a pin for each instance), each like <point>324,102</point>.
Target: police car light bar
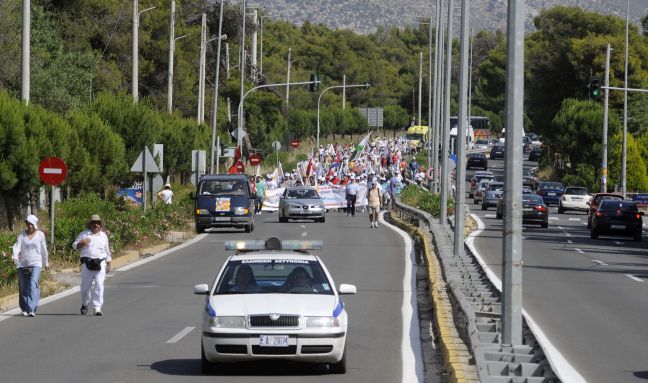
<point>273,243</point>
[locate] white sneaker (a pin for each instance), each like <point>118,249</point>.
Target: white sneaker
<point>24,313</point>
<point>376,223</point>
<point>372,225</point>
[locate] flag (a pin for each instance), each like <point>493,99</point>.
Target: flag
<point>359,149</point>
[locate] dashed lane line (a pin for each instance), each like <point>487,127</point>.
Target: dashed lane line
<point>634,278</point>
<point>489,216</point>
<point>574,219</point>
<point>561,228</point>
<point>579,251</point>
<point>554,218</point>
<point>180,335</point>
<point>569,241</point>
<point>618,243</point>
<point>567,234</point>
<point>599,262</point>
<point>304,234</point>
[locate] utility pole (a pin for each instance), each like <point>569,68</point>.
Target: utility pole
<point>512,238</point>
<point>470,59</point>
<point>201,70</point>
<point>171,53</point>
<point>254,69</point>
<point>26,51</point>
<point>604,169</point>
<point>446,122</point>
<point>135,70</point>
<point>227,76</point>
<point>288,79</point>
<point>429,135</point>
<point>624,152</point>
<point>460,198</point>
<point>242,70</point>
<point>343,93</point>
<point>420,86</point>
<point>438,65</point>
<point>216,85</point>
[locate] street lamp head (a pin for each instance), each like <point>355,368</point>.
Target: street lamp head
<point>366,86</point>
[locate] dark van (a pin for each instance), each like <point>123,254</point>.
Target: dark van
<point>224,200</point>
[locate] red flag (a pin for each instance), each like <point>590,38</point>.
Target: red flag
<point>232,169</point>
<point>309,167</point>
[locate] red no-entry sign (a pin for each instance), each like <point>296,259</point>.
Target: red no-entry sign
<point>255,159</point>
<point>295,143</point>
<point>52,170</point>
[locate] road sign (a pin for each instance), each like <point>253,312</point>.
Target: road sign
<point>235,134</point>
<point>52,170</point>
<point>294,143</point>
<point>240,167</point>
<point>229,152</point>
<point>151,166</point>
<point>276,145</point>
<point>255,159</point>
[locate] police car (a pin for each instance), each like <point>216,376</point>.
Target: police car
<point>274,300</point>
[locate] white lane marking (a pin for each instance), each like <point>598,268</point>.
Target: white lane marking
<point>304,234</point>
<point>489,216</point>
<point>302,226</point>
<point>567,234</point>
<point>569,241</point>
<point>565,371</point>
<point>574,219</point>
<point>579,251</point>
<point>599,262</point>
<point>618,243</point>
<point>180,335</point>
<point>554,218</point>
<point>412,370</point>
<point>634,278</point>
<point>561,228</point>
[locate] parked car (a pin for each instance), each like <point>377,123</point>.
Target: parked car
<point>497,151</point>
<point>596,200</point>
<point>478,176</point>
<point>534,210</point>
<point>301,203</point>
<point>481,190</point>
<point>224,200</point>
<point>574,198</point>
<point>614,217</point>
<point>492,194</point>
<point>535,154</point>
<point>476,160</point>
<point>550,192</point>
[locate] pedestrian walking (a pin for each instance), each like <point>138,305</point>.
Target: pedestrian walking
<point>374,198</point>
<point>260,189</point>
<point>95,263</point>
<point>30,256</point>
<point>166,194</point>
<point>351,195</point>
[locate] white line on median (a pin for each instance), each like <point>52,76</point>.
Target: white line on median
<point>412,357</point>
<point>304,234</point>
<point>599,262</point>
<point>180,335</point>
<point>579,251</point>
<point>569,241</point>
<point>618,243</point>
<point>565,371</point>
<point>634,278</point>
<point>567,234</point>
<point>490,216</point>
<point>561,228</point>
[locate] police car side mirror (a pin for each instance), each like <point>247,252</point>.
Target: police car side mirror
<point>201,289</point>
<point>347,289</point>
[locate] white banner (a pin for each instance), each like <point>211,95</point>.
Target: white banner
<point>334,197</point>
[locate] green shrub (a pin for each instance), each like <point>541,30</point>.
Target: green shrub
<point>7,267</point>
<point>413,195</point>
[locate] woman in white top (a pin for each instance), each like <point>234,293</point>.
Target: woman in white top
<point>30,256</point>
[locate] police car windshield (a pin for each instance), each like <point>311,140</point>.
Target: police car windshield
<point>222,187</point>
<point>276,276</point>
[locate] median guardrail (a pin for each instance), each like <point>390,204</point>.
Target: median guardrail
<point>477,311</point>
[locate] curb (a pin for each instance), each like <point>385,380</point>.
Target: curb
<point>456,355</point>
<point>10,302</point>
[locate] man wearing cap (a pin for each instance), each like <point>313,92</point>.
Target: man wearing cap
<point>166,194</point>
<point>30,256</point>
<point>95,263</point>
<point>351,195</point>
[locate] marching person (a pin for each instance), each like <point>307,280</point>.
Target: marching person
<point>260,189</point>
<point>30,256</point>
<point>374,198</point>
<point>165,194</point>
<point>351,195</point>
<point>95,263</point>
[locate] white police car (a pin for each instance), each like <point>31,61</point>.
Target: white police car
<point>274,300</point>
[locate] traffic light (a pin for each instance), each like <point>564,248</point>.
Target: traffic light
<point>594,87</point>
<point>314,85</point>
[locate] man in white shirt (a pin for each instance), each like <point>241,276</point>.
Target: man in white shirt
<point>95,263</point>
<point>351,195</point>
<point>166,194</point>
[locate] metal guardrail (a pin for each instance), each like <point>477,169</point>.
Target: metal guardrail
<point>480,320</point>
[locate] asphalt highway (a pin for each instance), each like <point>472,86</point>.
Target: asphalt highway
<point>150,331</point>
<point>588,295</point>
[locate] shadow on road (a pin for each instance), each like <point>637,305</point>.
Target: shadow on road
<point>191,367</point>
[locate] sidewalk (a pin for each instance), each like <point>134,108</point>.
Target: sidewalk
<point>67,278</point>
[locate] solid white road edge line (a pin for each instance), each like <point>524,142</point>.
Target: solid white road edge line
<point>411,352</point>
<point>15,311</point>
<point>565,371</point>
<point>569,241</point>
<point>180,335</point>
<point>634,278</point>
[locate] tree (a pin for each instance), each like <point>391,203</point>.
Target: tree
<point>395,117</point>
<point>636,176</point>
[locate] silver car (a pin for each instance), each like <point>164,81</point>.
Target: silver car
<point>301,203</point>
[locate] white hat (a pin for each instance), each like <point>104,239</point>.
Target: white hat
<point>33,220</point>
<point>167,186</point>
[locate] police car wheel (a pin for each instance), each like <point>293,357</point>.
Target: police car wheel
<point>339,367</point>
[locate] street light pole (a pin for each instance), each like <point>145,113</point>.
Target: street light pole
<point>446,122</point>
<point>438,81</point>
<point>135,69</point>
<point>420,86</point>
<point>216,84</point>
<point>344,86</point>
<point>604,167</point>
<point>288,78</point>
<point>429,135</point>
<point>26,51</point>
<point>201,70</point>
<point>171,49</point>
<point>242,70</point>
<point>624,157</point>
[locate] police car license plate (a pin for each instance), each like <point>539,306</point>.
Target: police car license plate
<point>221,219</point>
<point>273,340</point>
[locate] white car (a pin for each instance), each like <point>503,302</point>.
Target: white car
<point>480,190</point>
<point>574,198</point>
<point>274,300</point>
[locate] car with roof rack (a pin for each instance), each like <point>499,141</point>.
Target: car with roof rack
<point>273,299</point>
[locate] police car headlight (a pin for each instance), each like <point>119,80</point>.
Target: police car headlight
<point>202,211</point>
<point>322,322</point>
<point>241,211</point>
<point>227,322</point>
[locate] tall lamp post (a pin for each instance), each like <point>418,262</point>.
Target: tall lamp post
<point>242,70</point>
<point>136,17</point>
<point>261,45</point>
<point>216,84</point>
<point>366,86</point>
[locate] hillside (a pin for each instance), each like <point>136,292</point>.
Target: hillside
<point>365,16</point>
